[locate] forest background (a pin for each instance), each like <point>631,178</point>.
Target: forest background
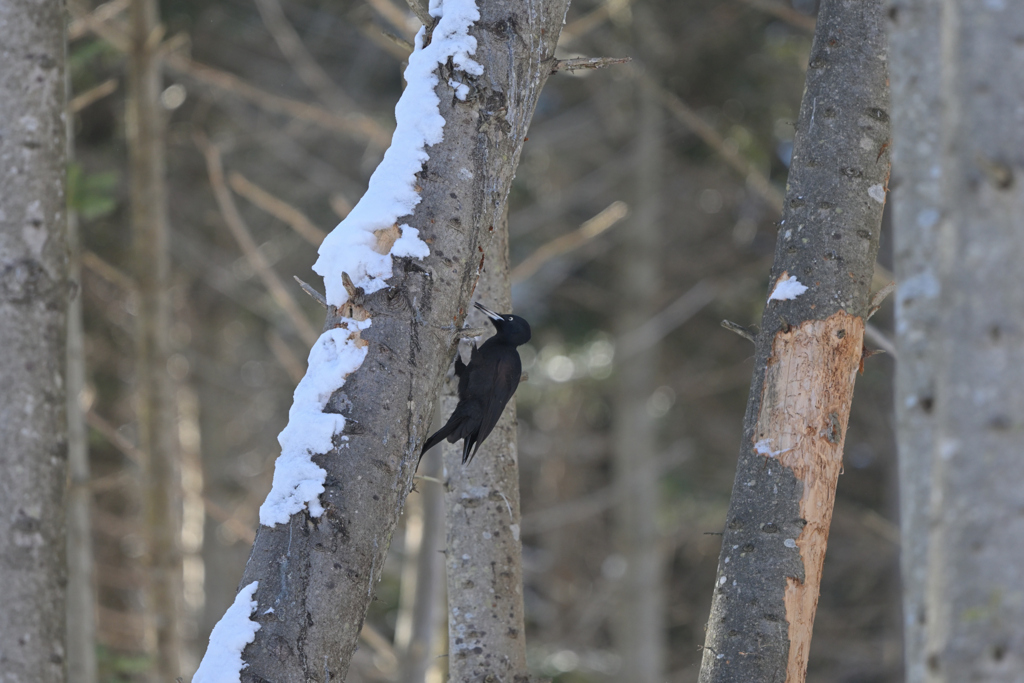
<point>722,82</point>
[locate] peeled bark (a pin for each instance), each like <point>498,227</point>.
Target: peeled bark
<point>319,573</point>
<point>33,312</point>
<point>486,623</point>
<point>957,108</point>
<point>154,399</point>
<point>807,355</point>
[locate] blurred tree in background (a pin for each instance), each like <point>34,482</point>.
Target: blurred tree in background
<point>687,146</point>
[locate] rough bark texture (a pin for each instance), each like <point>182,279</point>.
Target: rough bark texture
<point>33,309</point>
<point>638,620</point>
<point>808,352</point>
<point>486,623</point>
<point>916,54</point>
<point>154,398</point>
<point>319,573</point>
<point>967,287</point>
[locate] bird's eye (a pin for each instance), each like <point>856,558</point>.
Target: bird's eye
<point>510,318</point>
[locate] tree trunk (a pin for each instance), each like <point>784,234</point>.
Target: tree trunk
<point>486,623</point>
<point>916,55</point>
<point>154,393</point>
<point>807,356</point>
<point>958,108</point>
<point>81,612</point>
<point>33,309</point>
<point>318,573</point>
<point>638,621</point>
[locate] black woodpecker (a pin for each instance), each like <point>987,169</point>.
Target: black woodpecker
<point>485,385</point>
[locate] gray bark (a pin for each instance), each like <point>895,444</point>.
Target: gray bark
<point>154,392</point>
<point>807,355</point>
<point>916,55</point>
<point>319,573</point>
<point>33,310</point>
<point>961,136</point>
<point>486,623</point>
<point>638,621</point>
<point>81,612</point>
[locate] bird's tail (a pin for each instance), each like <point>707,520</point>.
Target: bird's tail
<point>439,436</point>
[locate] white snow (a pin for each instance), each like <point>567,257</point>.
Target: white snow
<point>787,288</point>
<point>877,192</point>
<point>764,447</point>
<point>222,662</point>
<point>298,481</point>
<point>392,192</point>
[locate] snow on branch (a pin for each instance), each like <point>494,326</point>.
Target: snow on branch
<point>223,661</point>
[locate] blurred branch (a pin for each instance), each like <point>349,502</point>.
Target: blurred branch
<point>105,12</point>
<point>667,320</point>
<point>578,28</point>
<point>110,433</point>
<point>243,236</point>
<point>340,205</point>
<point>395,16</point>
<point>276,207</point>
<point>878,337</point>
<point>608,217</point>
<point>108,272</point>
<point>586,63</point>
<point>352,123</point>
<point>689,118</point>
<point>787,14</point>
<point>302,62</point>
<point>291,363</point>
<point>421,12</point>
<point>80,102</point>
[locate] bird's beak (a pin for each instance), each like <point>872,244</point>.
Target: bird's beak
<point>488,312</point>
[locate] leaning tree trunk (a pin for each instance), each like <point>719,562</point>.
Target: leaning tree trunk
<point>33,307</point>
<point>316,574</point>
<point>807,356</point>
<point>486,624</point>
<point>957,101</point>
<point>154,394</point>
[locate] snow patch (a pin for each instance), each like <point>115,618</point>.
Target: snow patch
<point>222,662</point>
<point>298,481</point>
<point>787,288</point>
<point>877,192</point>
<point>392,191</point>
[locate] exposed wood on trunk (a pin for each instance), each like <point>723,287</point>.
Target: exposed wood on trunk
<point>154,394</point>
<point>319,573</point>
<point>808,351</point>
<point>33,312</point>
<point>961,396</point>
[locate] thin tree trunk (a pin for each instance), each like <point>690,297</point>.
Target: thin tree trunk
<point>318,573</point>
<point>638,620</point>
<point>962,407</point>
<point>807,355</point>
<point>154,392</point>
<point>486,623</point>
<point>916,55</point>
<point>81,612</point>
<point>33,314</point>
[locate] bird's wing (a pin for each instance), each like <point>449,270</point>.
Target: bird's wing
<point>460,371</point>
<point>506,379</point>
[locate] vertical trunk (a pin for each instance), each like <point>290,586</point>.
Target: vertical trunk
<point>154,395</point>
<point>916,54</point>
<point>33,310</point>
<point>486,632</point>
<point>639,620</point>
<point>422,577</point>
<point>968,202</point>
<point>806,360</point>
<point>81,616</point>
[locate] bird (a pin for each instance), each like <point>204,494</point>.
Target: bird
<point>485,385</point>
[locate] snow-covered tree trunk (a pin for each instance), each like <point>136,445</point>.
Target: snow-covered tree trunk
<point>153,390</point>
<point>807,355</point>
<point>33,308</point>
<point>957,100</point>
<point>486,623</point>
<point>400,272</point>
